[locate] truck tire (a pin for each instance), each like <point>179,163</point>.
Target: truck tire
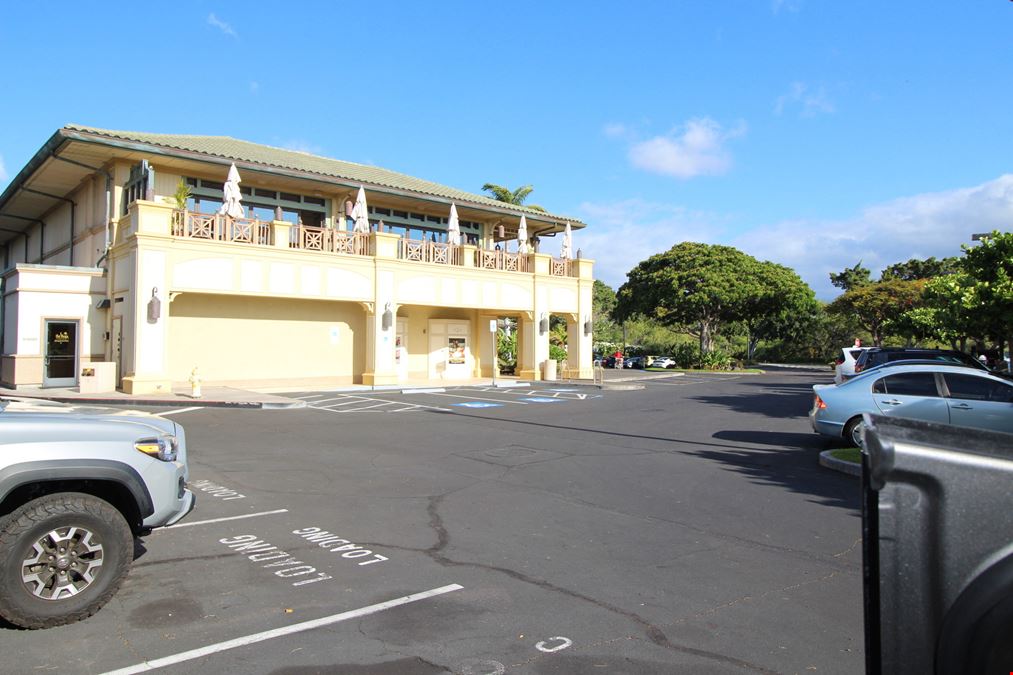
<point>62,557</point>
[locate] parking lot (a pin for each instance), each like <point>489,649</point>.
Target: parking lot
<point>684,527</point>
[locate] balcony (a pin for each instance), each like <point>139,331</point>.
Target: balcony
<point>220,228</point>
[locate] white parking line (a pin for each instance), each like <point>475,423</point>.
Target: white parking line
<point>306,398</point>
<point>377,400</point>
<point>191,523</point>
<point>377,405</point>
<point>279,632</point>
<point>181,410</point>
<point>338,405</point>
<point>478,398</point>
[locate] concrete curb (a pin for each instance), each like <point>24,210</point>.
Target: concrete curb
<point>831,462</point>
<point>196,402</point>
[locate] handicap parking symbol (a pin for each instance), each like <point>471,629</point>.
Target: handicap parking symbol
<point>478,404</point>
<point>542,399</point>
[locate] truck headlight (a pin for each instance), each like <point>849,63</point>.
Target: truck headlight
<point>164,448</point>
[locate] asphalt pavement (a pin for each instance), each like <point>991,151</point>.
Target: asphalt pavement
<point>683,527</point>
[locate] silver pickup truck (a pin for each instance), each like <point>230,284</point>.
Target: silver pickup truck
<point>77,484</point>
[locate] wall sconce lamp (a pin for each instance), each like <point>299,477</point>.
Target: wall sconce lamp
<point>154,306</point>
<point>543,325</point>
<point>587,326</point>
<point>387,319</point>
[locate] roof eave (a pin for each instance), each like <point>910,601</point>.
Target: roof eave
<point>140,146</point>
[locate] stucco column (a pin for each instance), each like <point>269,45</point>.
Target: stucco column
<point>580,343</point>
<point>146,325</point>
<point>381,314</point>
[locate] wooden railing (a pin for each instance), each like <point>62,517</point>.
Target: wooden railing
<point>329,241</point>
<point>429,251</point>
<point>501,260</point>
<point>561,267</point>
<point>216,227</point>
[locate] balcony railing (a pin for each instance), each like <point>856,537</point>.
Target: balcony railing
<point>217,227</point>
<point>501,260</point>
<point>329,240</point>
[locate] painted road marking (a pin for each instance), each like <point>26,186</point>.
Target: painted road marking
<point>181,410</point>
<point>353,398</point>
<point>191,523</point>
<point>543,646</point>
<point>542,399</point>
<point>494,400</point>
<point>215,490</point>
<point>306,398</point>
<point>280,632</point>
<point>478,404</point>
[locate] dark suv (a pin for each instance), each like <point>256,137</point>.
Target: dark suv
<point>877,356</point>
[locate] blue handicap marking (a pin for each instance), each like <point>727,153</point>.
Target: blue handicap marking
<point>564,390</point>
<point>478,404</point>
<point>542,399</point>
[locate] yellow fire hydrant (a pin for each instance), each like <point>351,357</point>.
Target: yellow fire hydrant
<point>195,383</point>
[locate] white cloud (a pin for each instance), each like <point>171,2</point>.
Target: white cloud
<point>930,224</point>
<point>254,87</point>
<point>3,171</point>
<point>615,130</point>
<point>622,234</point>
<point>221,25</point>
<point>809,102</point>
<point>694,149</point>
<point>777,6</point>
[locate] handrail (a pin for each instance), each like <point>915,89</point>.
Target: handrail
<point>219,227</point>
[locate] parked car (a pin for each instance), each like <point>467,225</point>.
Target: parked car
<point>845,367</point>
<point>950,394</point>
<point>663,362</point>
<point>634,362</point>
<point>876,356</point>
<point>77,485</point>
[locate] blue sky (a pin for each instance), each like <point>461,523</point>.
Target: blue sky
<point>814,134</point>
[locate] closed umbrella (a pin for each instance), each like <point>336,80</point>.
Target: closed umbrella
<point>360,213</point>
<point>522,236</point>
<point>231,199</point>
<point>566,252</point>
<point>453,227</point>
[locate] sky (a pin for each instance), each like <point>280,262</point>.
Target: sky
<point>812,134</point>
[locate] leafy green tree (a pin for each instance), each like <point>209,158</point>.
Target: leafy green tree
<point>985,286</point>
<point>873,305</point>
<point>692,284</point>
<point>603,302</point>
<point>851,277</point>
<point>515,197</point>
<point>920,269</point>
<point>780,307</point>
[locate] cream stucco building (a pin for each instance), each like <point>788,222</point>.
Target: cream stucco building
<point>100,266</point>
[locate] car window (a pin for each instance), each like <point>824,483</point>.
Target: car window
<point>974,388</point>
<point>855,353</point>
<point>907,384</point>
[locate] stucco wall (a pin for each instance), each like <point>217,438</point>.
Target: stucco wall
<point>244,338</point>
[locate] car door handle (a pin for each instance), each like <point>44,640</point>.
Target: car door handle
<point>892,401</point>
<point>962,406</point>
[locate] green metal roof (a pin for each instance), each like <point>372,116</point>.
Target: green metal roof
<point>253,153</point>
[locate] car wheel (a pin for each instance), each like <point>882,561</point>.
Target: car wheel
<point>853,432</point>
<point>62,557</point>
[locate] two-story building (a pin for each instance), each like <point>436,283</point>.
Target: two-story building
<point>107,259</point>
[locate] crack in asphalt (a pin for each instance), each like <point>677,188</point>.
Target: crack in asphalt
<point>653,633</point>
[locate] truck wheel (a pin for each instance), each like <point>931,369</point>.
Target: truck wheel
<point>853,432</point>
<point>62,557</point>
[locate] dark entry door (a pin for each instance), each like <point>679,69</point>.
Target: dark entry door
<point>61,354</point>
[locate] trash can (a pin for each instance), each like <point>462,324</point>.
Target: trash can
<point>549,370</point>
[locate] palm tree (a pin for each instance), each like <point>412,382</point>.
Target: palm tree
<point>515,197</point>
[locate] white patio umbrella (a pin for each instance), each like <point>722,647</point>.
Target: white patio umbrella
<point>453,227</point>
<point>231,205</point>
<point>360,213</point>
<point>522,236</point>
<point>566,251</point>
